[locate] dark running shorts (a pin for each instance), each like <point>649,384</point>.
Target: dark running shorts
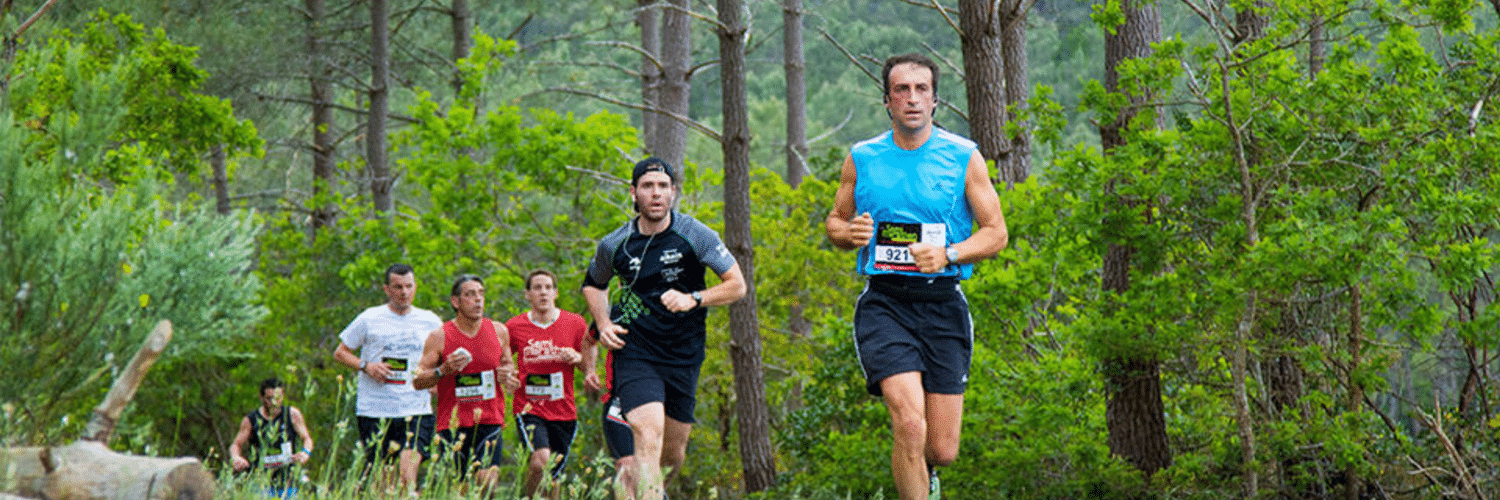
<point>537,433</point>
<point>638,382</point>
<point>397,434</point>
<point>617,434</point>
<point>480,446</point>
<point>912,324</point>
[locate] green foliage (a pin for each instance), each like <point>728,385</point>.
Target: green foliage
<point>515,191</point>
<point>90,270</point>
<point>161,117</point>
<point>1313,196</point>
<point>840,424</point>
<point>1357,208</point>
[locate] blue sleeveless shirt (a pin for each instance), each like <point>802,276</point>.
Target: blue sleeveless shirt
<point>911,191</point>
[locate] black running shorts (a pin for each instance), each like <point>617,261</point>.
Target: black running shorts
<point>638,383</point>
<point>556,435</point>
<point>395,434</point>
<point>480,446</point>
<point>914,324</point>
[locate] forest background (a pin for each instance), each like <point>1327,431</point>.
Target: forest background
<point>1251,254</point>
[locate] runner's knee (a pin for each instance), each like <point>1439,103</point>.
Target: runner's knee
<point>909,428</point>
<point>673,457</point>
<point>942,455</point>
<point>539,459</point>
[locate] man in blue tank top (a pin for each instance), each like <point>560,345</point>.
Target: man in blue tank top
<point>910,200</point>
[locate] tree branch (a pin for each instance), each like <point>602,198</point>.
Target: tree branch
<point>631,72</point>
<point>709,19</point>
<point>102,425</point>
<point>847,116</point>
<point>631,47</point>
<point>350,109</point>
<point>691,123</point>
<point>33,19</point>
<point>944,11</point>
<point>850,56</point>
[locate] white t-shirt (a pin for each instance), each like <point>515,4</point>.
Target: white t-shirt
<point>381,335</point>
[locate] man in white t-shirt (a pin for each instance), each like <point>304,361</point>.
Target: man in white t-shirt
<point>395,419</point>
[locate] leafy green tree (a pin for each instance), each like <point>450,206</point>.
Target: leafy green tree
<point>94,257</point>
<point>164,118</point>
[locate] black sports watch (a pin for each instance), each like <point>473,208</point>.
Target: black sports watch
<point>697,299</point>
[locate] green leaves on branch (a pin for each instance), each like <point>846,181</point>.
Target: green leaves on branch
<point>135,83</point>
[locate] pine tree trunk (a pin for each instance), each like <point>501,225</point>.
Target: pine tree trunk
<point>321,92</point>
<point>462,22</point>
<point>1133,414</point>
<point>1017,87</point>
<point>221,179</point>
<point>648,18</point>
<point>744,325</point>
<point>375,143</point>
<point>796,129</point>
<point>677,87</point>
<point>1133,405</point>
<point>983,77</point>
<point>1353,484</point>
<point>1317,45</point>
<point>796,92</point>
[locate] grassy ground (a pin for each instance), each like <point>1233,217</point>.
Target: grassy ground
<point>586,479</point>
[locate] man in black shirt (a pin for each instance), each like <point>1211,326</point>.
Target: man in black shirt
<point>656,323</point>
<point>268,437</point>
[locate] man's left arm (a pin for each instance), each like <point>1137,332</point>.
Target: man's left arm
<point>307,441</point>
<point>731,287</point>
<point>506,371</point>
<point>988,239</point>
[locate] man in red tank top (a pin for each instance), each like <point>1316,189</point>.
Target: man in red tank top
<point>469,362</point>
<point>548,344</point>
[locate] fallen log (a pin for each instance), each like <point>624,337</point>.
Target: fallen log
<point>88,470</point>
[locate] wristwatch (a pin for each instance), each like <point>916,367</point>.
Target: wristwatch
<point>697,299</point>
<point>952,255</point>
<point>363,364</point>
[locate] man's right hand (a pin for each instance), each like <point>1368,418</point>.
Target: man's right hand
<point>456,361</point>
<point>861,229</point>
<point>240,463</point>
<point>592,383</point>
<point>378,370</point>
<point>609,335</point>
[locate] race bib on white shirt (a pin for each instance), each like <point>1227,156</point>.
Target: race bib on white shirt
<point>279,460</point>
<point>544,386</point>
<point>893,243</point>
<point>400,370</point>
<point>470,387</point>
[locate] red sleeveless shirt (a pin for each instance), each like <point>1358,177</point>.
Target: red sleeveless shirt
<point>472,397</point>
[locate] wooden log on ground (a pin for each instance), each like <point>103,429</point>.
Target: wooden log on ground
<point>89,470</point>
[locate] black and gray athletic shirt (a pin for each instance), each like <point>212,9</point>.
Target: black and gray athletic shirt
<point>648,266</point>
